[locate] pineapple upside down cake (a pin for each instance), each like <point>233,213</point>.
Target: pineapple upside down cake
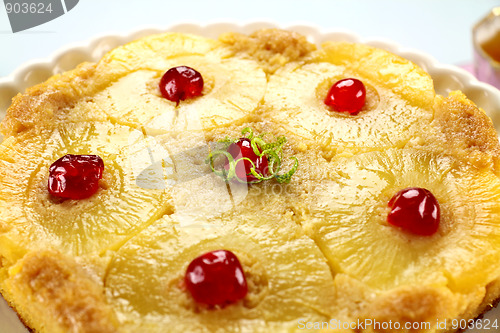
<point>247,184</point>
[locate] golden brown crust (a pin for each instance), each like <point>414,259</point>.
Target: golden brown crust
<point>409,305</point>
<point>53,294</point>
<point>273,48</point>
<point>43,102</point>
<point>490,299</point>
<point>406,308</point>
<point>467,130</point>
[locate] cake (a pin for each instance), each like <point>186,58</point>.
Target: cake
<point>253,183</point>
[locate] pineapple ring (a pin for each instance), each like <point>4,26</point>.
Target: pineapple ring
<point>233,86</point>
<point>350,211</point>
<point>123,88</point>
<point>132,239</point>
<point>33,219</point>
<point>232,91</point>
<point>286,274</point>
<point>383,68</point>
<point>395,112</point>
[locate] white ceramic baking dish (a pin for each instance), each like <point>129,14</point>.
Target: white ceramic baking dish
<point>446,78</point>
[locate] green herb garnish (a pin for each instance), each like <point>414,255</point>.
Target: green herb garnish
<point>273,151</point>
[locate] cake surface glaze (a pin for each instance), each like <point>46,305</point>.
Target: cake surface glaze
<point>315,249</point>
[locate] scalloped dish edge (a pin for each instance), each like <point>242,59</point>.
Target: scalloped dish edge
<point>446,78</point>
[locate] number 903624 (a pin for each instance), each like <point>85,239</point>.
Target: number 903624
<point>28,7</point>
<point>480,324</point>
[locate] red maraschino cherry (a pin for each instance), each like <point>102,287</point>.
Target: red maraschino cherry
<point>180,83</point>
<point>347,95</point>
<point>415,210</point>
<point>243,149</point>
<point>216,278</point>
<point>75,176</point>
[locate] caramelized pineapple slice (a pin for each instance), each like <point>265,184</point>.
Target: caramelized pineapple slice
<point>33,219</point>
<point>286,273</point>
<point>233,90</point>
<point>396,111</point>
<point>123,87</point>
<point>382,68</point>
<point>155,51</point>
<point>349,221</point>
<point>233,87</point>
